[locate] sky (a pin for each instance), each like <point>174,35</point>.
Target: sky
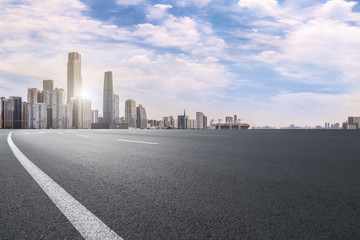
<point>271,62</point>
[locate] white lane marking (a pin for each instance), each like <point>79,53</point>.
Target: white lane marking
<point>124,140</point>
<point>206,135</point>
<point>82,136</point>
<point>89,226</point>
<point>41,132</point>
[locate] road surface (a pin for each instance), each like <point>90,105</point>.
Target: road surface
<point>179,184</point>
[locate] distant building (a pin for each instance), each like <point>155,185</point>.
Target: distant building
<point>17,112</point>
<point>229,120</point>
<point>353,123</point>
<point>61,111</point>
<point>108,100</point>
<point>191,124</point>
<point>40,96</point>
<point>74,80</point>
<point>182,121</point>
<point>40,116</point>
<point>205,123</point>
<point>200,120</point>
<point>141,121</point>
<point>130,113</point>
<point>81,118</point>
<point>48,85</point>
<point>95,116</point>
<point>32,101</point>
<point>116,108</point>
<point>25,115</point>
<point>235,119</point>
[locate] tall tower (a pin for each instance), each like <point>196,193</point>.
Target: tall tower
<point>74,80</point>
<point>141,121</point>
<point>108,101</point>
<point>200,120</point>
<point>130,113</point>
<point>116,108</point>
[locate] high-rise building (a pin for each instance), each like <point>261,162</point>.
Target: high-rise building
<point>2,112</point>
<point>25,115</point>
<point>141,121</point>
<point>116,108</point>
<point>39,121</point>
<point>191,124</point>
<point>182,121</point>
<point>81,109</point>
<point>32,101</point>
<point>200,120</point>
<point>130,113</point>
<point>205,122</point>
<point>74,80</point>
<point>235,119</point>
<point>40,96</point>
<point>48,85</point>
<point>60,109</point>
<point>108,101</point>
<point>95,116</point>
<point>17,113</point>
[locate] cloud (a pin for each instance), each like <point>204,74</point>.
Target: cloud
<point>261,7</point>
<point>197,3</point>
<point>158,11</point>
<point>129,2</point>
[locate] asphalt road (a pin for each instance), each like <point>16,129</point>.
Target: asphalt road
<point>179,184</point>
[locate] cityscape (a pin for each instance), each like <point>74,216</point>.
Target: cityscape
<point>55,108</point>
<point>187,119</point>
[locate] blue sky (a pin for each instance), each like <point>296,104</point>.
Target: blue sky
<point>270,62</point>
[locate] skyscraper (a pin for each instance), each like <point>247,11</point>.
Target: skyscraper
<point>182,121</point>
<point>81,113</point>
<point>32,101</point>
<point>59,109</point>
<point>2,113</point>
<point>17,113</point>
<point>116,108</point>
<point>200,120</point>
<point>130,113</point>
<point>108,101</point>
<point>95,116</point>
<point>235,119</point>
<point>74,80</point>
<point>141,121</point>
<point>48,85</point>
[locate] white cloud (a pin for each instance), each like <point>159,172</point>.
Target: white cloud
<point>197,3</point>
<point>158,11</point>
<point>129,2</point>
<point>262,7</point>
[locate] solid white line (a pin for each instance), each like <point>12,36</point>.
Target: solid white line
<point>41,132</point>
<point>82,136</point>
<point>131,141</point>
<point>89,226</point>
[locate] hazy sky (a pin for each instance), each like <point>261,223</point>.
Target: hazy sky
<point>270,62</point>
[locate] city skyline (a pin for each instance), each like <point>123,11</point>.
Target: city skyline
<point>259,59</point>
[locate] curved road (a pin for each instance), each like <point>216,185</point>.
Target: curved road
<point>176,184</point>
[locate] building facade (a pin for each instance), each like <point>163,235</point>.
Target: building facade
<point>74,80</point>
<point>141,121</point>
<point>108,98</point>
<point>130,113</point>
<point>200,120</point>
<point>116,109</point>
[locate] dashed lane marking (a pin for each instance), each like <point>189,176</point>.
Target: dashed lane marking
<point>132,141</point>
<point>83,136</point>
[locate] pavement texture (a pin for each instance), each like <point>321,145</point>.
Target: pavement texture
<point>191,185</point>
